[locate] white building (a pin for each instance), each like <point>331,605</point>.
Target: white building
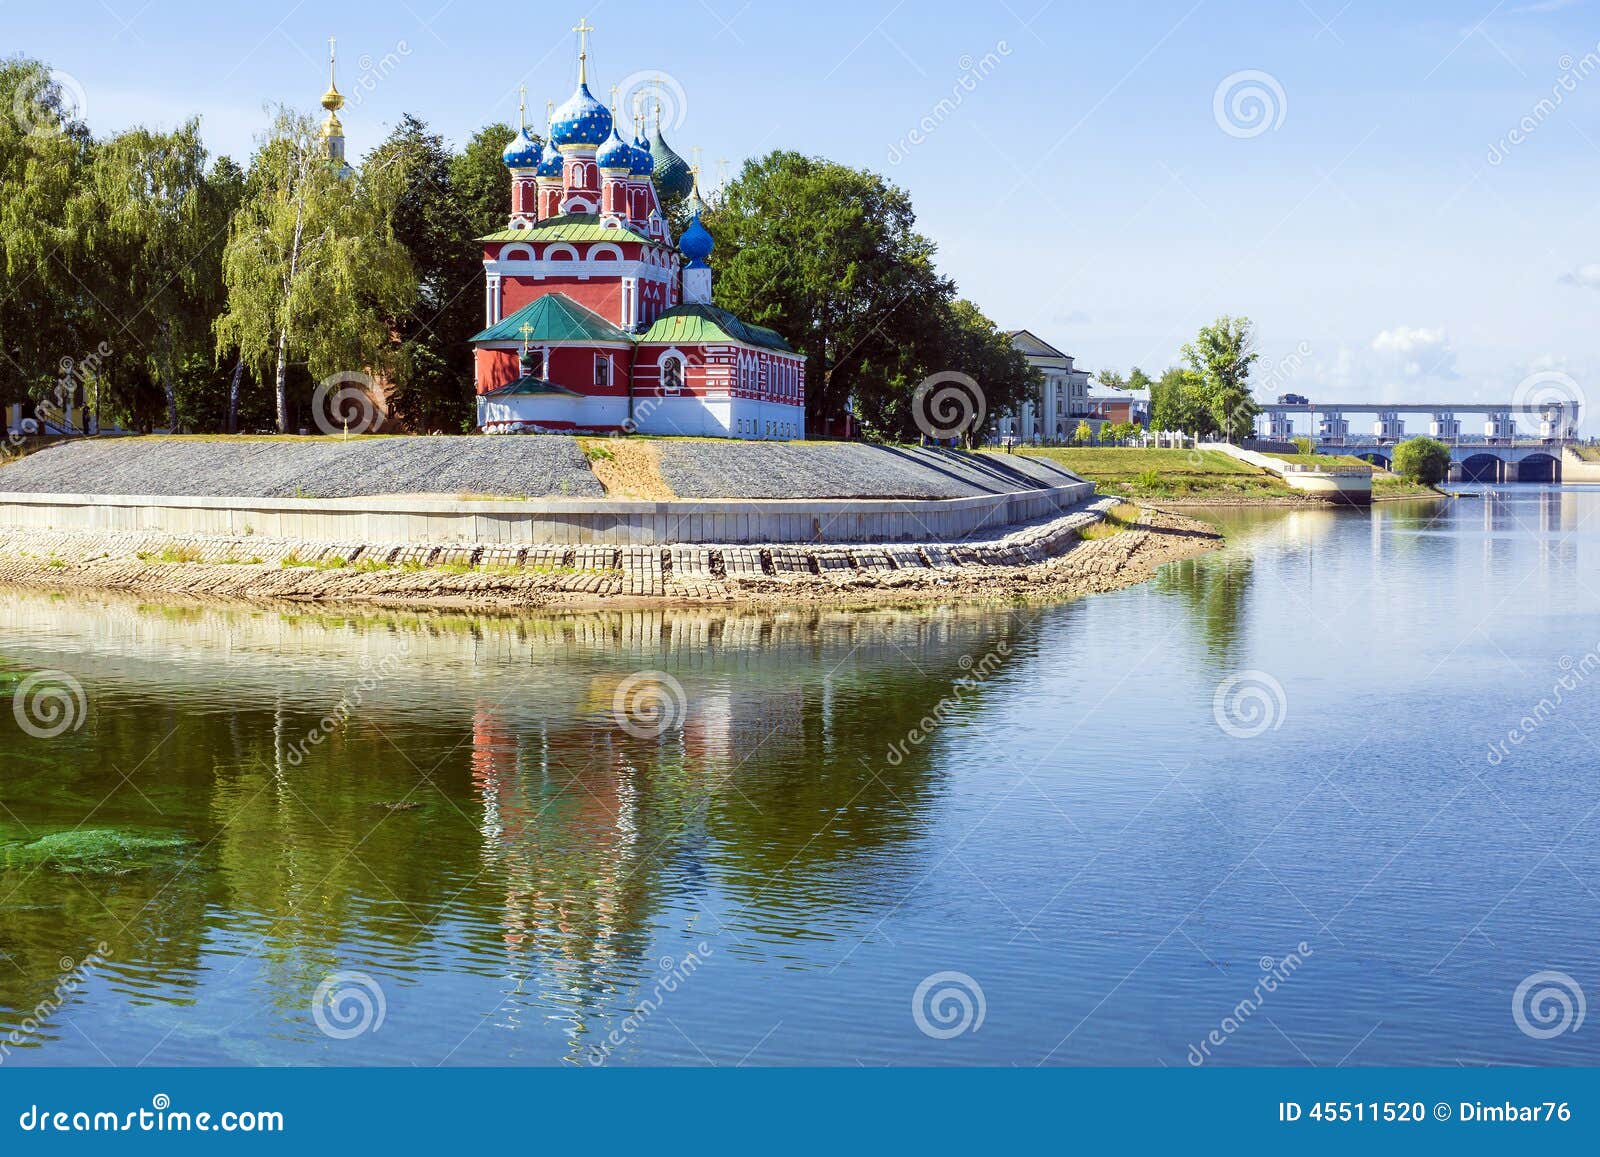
<point>1063,398</point>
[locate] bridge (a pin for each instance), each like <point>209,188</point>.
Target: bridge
<point>1499,454</point>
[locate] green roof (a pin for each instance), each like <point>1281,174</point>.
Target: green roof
<point>703,324</point>
<point>552,318</point>
<point>567,227</point>
<point>527,385</point>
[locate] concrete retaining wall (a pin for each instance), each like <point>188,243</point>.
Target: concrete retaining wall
<point>1345,485</point>
<point>556,521</point>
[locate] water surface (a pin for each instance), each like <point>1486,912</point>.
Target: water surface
<point>442,817</point>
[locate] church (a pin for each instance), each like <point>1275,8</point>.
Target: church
<point>596,320</point>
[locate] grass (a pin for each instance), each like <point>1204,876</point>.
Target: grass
<point>1122,516</point>
<point>1162,473</point>
<point>172,554</point>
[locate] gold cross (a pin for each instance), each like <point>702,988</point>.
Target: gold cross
<point>527,329</point>
<point>522,106</point>
<point>583,29</point>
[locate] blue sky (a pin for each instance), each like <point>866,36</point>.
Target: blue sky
<point>1380,225</point>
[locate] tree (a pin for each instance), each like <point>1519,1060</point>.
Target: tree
<point>312,267</point>
<point>1138,379</point>
<point>964,343</point>
<point>830,257</point>
<point>153,221</point>
<point>1111,380</point>
<point>1222,354</point>
<point>44,151</point>
<point>438,225</point>
<point>1084,434</point>
<point>1177,403</point>
<point>1424,460</point>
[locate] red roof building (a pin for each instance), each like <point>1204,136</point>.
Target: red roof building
<point>595,319</point>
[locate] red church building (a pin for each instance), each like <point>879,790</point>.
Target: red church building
<point>595,319</point>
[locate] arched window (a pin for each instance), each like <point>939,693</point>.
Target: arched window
<point>672,373</point>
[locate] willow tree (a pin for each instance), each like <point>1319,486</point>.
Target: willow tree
<point>44,148</point>
<point>154,219</point>
<point>312,267</point>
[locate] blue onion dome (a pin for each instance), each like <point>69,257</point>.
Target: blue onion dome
<point>672,176</point>
<point>643,163</point>
<point>616,154</point>
<point>696,243</point>
<point>524,152</point>
<point>550,164</point>
<point>582,120</point>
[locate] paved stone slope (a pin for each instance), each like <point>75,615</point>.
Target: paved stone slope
<point>531,467</point>
<point>845,470</point>
<point>313,468</point>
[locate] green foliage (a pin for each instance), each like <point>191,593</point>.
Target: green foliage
<point>436,222</point>
<point>1304,445</point>
<point>314,273</point>
<point>1422,460</point>
<point>1083,435</point>
<point>1221,356</point>
<point>830,257</point>
<point>1178,403</point>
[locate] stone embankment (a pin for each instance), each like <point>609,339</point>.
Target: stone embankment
<point>1049,558</point>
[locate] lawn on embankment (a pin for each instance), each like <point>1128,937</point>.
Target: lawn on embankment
<point>1159,473</point>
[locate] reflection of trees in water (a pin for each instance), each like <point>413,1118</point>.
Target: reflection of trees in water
<point>1215,589</point>
<point>525,808</point>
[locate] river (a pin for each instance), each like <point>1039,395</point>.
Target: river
<point>1295,802</point>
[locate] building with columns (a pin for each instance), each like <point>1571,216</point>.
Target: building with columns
<point>1063,398</point>
<point>595,318</point>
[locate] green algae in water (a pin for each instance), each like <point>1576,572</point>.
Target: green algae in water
<point>92,851</point>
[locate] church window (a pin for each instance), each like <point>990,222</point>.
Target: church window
<point>672,374</point>
<point>602,370</point>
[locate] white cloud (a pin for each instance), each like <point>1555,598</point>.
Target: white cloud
<point>1417,353</point>
<point>1587,276</point>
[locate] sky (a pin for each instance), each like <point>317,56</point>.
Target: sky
<point>1404,198</point>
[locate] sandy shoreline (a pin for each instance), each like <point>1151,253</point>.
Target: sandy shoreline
<point>1076,568</point>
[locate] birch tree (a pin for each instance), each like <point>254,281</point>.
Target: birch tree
<point>312,267</point>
